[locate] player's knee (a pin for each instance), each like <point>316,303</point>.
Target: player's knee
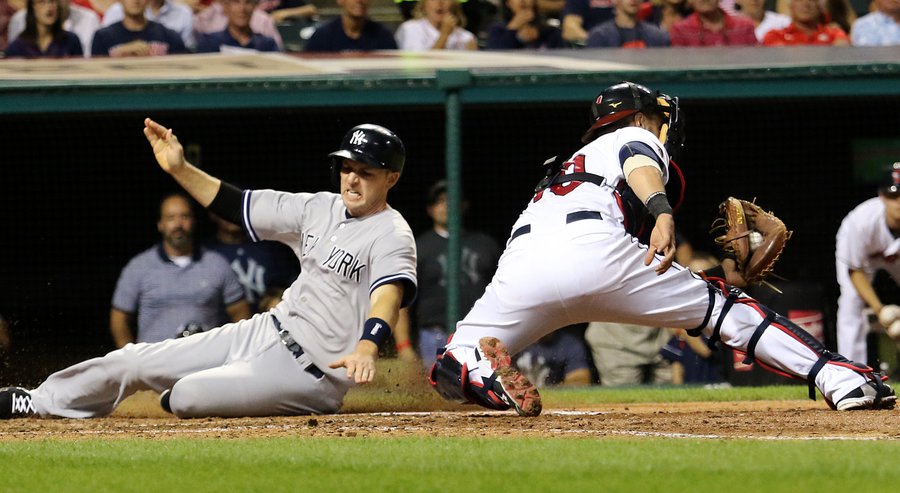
<point>183,403</point>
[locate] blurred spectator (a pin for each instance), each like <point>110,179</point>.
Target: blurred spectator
<point>436,25</point>
<point>664,13</point>
<point>478,260</point>
<point>286,10</point>
<point>238,33</point>
<point>559,358</point>
<point>352,31</point>
<point>76,19</point>
<point>523,27</point>
<point>5,339</point>
<point>551,8</point>
<point>838,13</point>
<point>170,13</point>
<point>406,8</point>
<point>628,354</point>
<point>879,28</point>
<point>626,30</point>
<point>260,266</point>
<point>212,19</point>
<point>692,360</point>
<point>173,285</point>
<point>868,240</point>
<point>134,35</point>
<point>709,25</point>
<point>270,299</point>
<point>44,35</point>
<point>99,7</point>
<point>806,28</point>
<point>765,20</point>
<point>580,16</point>
<point>7,9</point>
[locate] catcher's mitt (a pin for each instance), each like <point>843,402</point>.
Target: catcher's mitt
<point>754,237</point>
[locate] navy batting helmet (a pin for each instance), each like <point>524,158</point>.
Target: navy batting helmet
<point>624,99</point>
<point>890,180</point>
<point>370,144</point>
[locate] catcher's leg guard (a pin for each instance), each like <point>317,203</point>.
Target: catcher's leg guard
<point>448,377</point>
<point>485,376</point>
<point>779,345</point>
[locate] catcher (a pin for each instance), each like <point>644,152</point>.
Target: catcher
<point>574,256</point>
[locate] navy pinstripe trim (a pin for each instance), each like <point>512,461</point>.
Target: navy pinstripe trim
<point>408,297</point>
<point>245,216</point>
<point>636,147</point>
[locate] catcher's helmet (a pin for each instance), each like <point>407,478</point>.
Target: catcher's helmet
<point>624,99</point>
<point>890,181</point>
<point>371,144</point>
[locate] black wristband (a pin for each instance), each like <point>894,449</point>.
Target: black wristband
<point>376,330</point>
<point>658,204</point>
<point>227,203</point>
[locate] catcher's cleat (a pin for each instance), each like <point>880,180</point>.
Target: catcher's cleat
<point>16,402</point>
<point>507,385</point>
<point>874,394</point>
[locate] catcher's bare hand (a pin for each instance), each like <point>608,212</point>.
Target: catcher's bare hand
<point>662,241</point>
<point>168,151</point>
<point>733,275</point>
<point>360,364</point>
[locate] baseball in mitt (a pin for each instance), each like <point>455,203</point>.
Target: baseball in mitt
<point>752,236</point>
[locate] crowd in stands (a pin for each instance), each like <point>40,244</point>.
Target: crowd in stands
<point>72,28</point>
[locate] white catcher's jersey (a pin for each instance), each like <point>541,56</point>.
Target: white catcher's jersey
<point>602,157</point>
<point>566,264</point>
<point>342,261</point>
<point>864,241</point>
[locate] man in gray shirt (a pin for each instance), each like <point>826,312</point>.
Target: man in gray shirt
<point>358,268</point>
<point>175,286</point>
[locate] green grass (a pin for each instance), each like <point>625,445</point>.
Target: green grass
<point>671,393</point>
<point>446,464</point>
<point>371,464</point>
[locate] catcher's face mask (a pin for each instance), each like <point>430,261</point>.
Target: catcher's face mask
<point>671,133</point>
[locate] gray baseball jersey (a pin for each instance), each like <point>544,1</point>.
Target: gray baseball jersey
<point>245,368</point>
<point>342,260</point>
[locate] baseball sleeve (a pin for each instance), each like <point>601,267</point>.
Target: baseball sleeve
<point>850,247</point>
<point>271,215</point>
<point>393,259</point>
<point>637,142</point>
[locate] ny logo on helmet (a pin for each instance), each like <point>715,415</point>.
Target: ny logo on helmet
<point>358,138</point>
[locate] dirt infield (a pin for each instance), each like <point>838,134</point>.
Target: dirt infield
<point>140,417</point>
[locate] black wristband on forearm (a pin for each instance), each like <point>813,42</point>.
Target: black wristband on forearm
<point>227,203</point>
<point>376,330</point>
<point>658,204</point>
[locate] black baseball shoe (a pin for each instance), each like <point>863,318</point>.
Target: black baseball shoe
<point>164,400</point>
<point>874,394</point>
<point>16,402</point>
